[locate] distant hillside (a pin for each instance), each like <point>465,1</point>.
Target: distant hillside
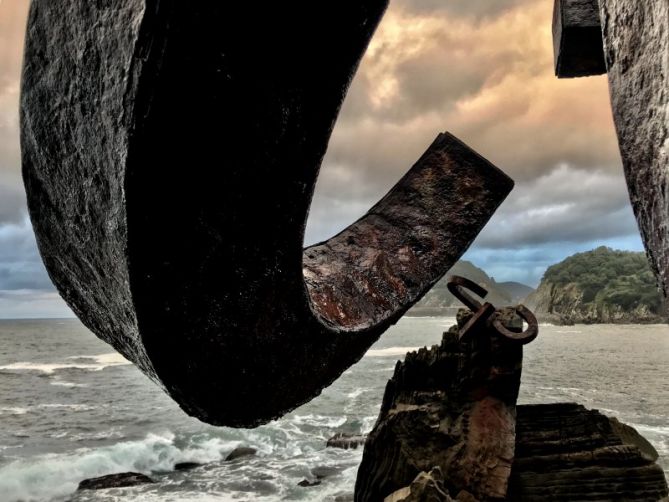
<point>439,301</point>
<point>599,286</point>
<point>517,290</point>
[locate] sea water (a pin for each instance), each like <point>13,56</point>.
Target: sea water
<point>71,409</point>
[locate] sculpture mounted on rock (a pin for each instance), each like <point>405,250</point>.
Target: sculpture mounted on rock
<point>170,153</point>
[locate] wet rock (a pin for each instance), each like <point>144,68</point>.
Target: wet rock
<point>240,452</point>
<point>567,452</point>
<point>451,407</point>
<point>346,497</point>
<point>346,441</point>
<point>306,483</point>
<point>120,480</point>
<point>184,466</point>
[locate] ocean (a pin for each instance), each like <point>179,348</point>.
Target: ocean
<point>71,408</point>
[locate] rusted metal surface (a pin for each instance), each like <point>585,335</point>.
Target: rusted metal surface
<point>485,314</point>
<point>577,39</point>
<point>170,156</point>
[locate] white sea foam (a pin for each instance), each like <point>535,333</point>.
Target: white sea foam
<point>61,383</point>
<point>13,410</point>
<point>91,363</point>
<point>390,351</point>
<point>46,477</point>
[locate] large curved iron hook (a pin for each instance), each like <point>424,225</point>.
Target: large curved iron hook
<point>170,207</point>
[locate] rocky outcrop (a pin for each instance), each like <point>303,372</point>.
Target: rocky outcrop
<point>599,286</point>
<point>566,305</point>
<point>120,480</point>
<point>565,452</point>
<point>240,452</point>
<point>449,430</point>
<point>346,441</point>
<point>451,407</point>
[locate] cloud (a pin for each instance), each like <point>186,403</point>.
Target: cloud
<point>566,205</point>
<point>480,69</point>
<point>20,264</point>
<point>488,81</point>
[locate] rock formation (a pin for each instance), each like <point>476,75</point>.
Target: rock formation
<point>449,429</point>
<point>120,480</point>
<point>346,441</point>
<point>451,407</point>
<point>599,286</point>
<point>170,152</point>
<point>565,452</point>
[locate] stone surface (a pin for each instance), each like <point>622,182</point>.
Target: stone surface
<point>170,159</point>
<point>566,452</point>
<point>305,483</point>
<point>240,452</point>
<point>636,46</point>
<point>121,480</point>
<point>185,466</point>
<point>426,487</point>
<point>577,38</point>
<point>346,441</point>
<point>451,407</point>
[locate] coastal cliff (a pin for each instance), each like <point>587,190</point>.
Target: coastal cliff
<point>599,286</point>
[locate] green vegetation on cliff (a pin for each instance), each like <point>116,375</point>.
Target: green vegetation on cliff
<point>603,285</point>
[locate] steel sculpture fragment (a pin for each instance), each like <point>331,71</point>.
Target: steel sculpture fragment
<point>633,38</point>
<point>170,153</point>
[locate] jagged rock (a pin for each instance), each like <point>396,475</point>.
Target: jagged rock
<point>240,452</point>
<point>346,441</point>
<point>185,466</point>
<point>565,452</point>
<point>120,480</point>
<point>306,483</point>
<point>452,407</point>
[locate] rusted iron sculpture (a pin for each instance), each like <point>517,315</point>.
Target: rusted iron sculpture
<point>633,41</point>
<point>170,152</point>
<point>487,314</point>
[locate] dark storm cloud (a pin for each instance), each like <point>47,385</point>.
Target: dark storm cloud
<point>20,263</point>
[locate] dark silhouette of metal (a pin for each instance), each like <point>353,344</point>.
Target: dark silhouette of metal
<point>170,153</point>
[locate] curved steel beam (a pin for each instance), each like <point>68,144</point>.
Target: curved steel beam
<point>170,153</point>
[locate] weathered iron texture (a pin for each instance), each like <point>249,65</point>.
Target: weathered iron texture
<point>487,315</point>
<point>634,40</point>
<point>636,44</point>
<point>170,153</point>
<point>577,39</point>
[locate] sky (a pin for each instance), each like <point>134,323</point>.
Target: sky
<point>480,69</point>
